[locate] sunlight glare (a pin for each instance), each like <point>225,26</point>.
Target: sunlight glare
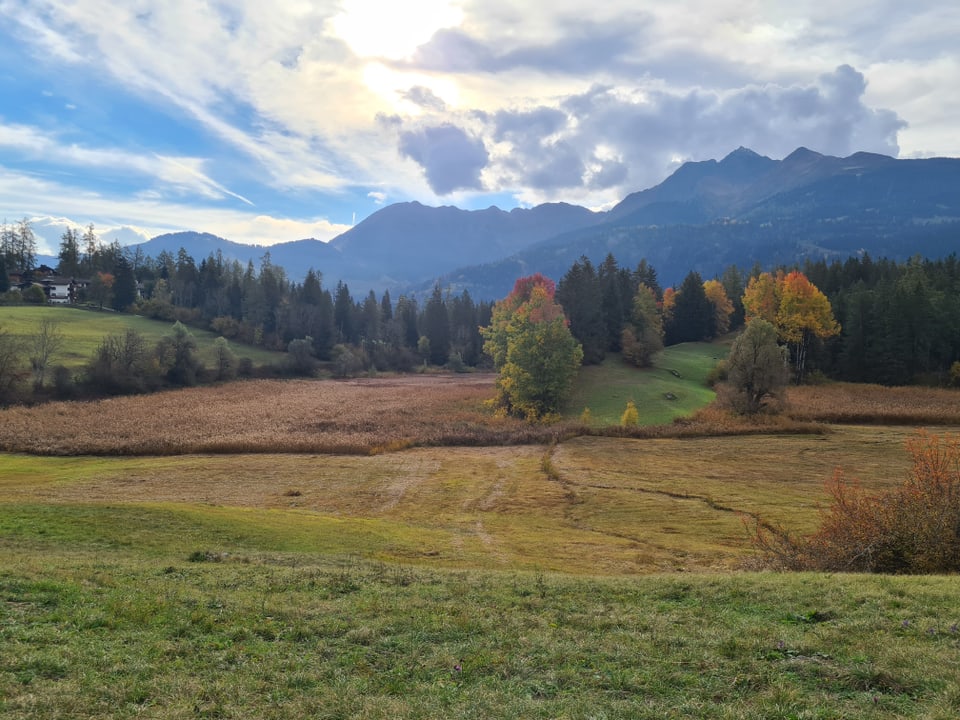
<point>390,29</point>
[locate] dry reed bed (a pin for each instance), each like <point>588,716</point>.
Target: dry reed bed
<point>358,416</point>
<point>874,404</point>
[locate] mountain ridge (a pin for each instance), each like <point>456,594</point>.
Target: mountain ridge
<point>741,209</point>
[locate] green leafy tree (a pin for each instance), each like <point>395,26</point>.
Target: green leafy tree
<point>643,337</point>
<point>532,348</point>
<point>756,367</point>
<point>178,354</point>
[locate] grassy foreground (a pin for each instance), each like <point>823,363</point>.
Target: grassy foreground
<point>117,634</point>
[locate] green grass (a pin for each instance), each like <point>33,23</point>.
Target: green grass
<point>674,387</point>
<point>116,634</point>
<point>83,331</point>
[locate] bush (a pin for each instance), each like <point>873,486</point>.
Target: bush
<point>245,367</point>
<point>630,417</point>
<point>913,528</point>
<point>718,374</point>
<point>300,357</point>
<point>346,360</point>
<point>63,383</point>
<point>35,294</point>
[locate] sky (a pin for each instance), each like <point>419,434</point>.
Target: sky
<point>267,122</point>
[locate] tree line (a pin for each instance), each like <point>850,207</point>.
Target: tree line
<point>857,319</point>
<point>895,323</point>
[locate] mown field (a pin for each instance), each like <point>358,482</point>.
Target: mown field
<point>385,548</point>
<point>83,330</point>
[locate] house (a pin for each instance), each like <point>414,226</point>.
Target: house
<point>59,291</point>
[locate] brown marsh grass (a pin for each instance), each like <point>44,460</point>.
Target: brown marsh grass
<point>374,415</point>
<point>361,416</point>
<point>874,404</point>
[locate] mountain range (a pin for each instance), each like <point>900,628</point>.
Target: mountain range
<point>745,209</point>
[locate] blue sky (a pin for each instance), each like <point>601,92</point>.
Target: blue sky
<point>269,122</point>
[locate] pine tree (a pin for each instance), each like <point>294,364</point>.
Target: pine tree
<point>579,294</point>
<point>693,317</point>
<point>436,327</point>
<point>124,286</point>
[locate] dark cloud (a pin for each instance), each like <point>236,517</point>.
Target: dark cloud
<point>610,173</point>
<point>425,98</point>
<point>526,126</point>
<point>560,165</point>
<point>452,50</point>
<point>645,133</point>
<point>583,47</point>
<point>451,159</point>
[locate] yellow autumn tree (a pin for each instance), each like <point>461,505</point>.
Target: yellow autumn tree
<point>722,307</point>
<point>668,304</point>
<point>761,298</point>
<point>796,307</point>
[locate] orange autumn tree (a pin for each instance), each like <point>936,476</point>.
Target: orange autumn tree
<point>667,305</point>
<point>796,307</point>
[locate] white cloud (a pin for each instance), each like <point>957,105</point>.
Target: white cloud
<point>177,174</point>
<point>24,196</point>
<point>335,95</point>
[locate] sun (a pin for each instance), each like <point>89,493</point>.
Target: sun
<point>390,29</point>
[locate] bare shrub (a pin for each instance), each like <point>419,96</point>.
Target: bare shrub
<point>912,528</point>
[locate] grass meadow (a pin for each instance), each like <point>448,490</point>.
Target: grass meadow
<point>386,548</point>
<point>83,331</point>
<point>674,387</point>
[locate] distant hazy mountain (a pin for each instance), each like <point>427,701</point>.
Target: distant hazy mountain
<point>743,209</point>
<point>400,246</point>
<point>409,243</point>
<point>200,246</point>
